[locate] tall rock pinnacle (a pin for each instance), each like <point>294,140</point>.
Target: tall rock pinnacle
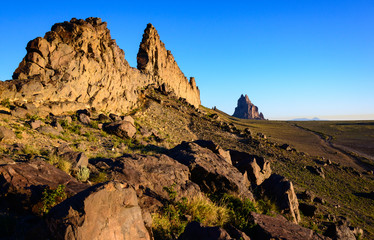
<point>78,65</point>
<point>246,109</point>
<point>155,60</point>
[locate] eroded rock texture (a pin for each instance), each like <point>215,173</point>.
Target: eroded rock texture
<point>78,65</point>
<point>246,109</point>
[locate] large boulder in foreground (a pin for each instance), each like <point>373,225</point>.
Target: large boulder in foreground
<point>22,184</point>
<point>150,175</point>
<point>267,228</point>
<point>257,168</point>
<point>104,211</point>
<point>211,171</point>
<point>279,189</point>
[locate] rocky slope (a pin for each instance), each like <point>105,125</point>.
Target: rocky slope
<point>78,65</point>
<point>164,170</point>
<point>246,109</point>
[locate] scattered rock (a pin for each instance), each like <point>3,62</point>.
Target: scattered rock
<point>268,228</point>
<point>128,119</point>
<point>122,129</point>
<point>83,118</point>
<point>104,211</point>
<point>6,134</point>
<point>286,147</point>
<point>194,231</point>
<point>210,171</point>
<point>317,170</point>
<point>246,109</point>
<point>340,231</point>
<point>103,118</point>
<point>281,190</point>
<point>48,130</point>
<point>22,184</point>
<point>307,196</point>
<point>215,148</point>
<point>319,200</point>
<point>152,174</point>
<point>257,168</point>
<point>35,124</point>
<point>114,117</point>
<point>77,159</point>
<point>19,112</point>
<point>84,111</point>
<point>308,209</point>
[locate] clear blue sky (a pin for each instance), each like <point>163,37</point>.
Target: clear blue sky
<point>294,58</point>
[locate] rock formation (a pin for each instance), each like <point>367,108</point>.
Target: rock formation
<point>246,109</point>
<point>78,65</point>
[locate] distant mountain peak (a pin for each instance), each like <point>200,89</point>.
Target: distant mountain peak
<point>246,109</point>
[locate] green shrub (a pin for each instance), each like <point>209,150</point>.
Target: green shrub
<point>171,221</point>
<point>98,177</point>
<point>52,197</point>
<point>239,211</point>
<point>5,102</point>
<point>83,174</point>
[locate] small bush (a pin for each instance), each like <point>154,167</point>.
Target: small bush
<point>5,103</point>
<point>98,177</point>
<point>239,211</point>
<point>83,174</point>
<point>172,220</point>
<point>64,165</point>
<point>52,197</point>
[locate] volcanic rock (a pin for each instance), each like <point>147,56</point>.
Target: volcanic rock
<point>122,129</point>
<point>152,174</point>
<point>211,171</point>
<point>257,168</point>
<point>104,211</point>
<point>281,190</point>
<point>78,65</point>
<point>6,133</point>
<point>194,231</point>
<point>267,228</point>
<point>246,109</point>
<point>154,60</point>
<point>22,184</point>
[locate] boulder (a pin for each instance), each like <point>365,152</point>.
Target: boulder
<point>215,148</point>
<point>268,228</point>
<point>122,129</point>
<point>83,118</point>
<point>6,134</point>
<point>257,168</point>
<point>77,159</point>
<point>340,231</point>
<point>128,119</point>
<point>279,189</point>
<point>34,124</point>
<point>114,117</point>
<point>210,171</point>
<point>103,118</point>
<point>194,231</point>
<point>104,211</point>
<point>150,175</point>
<point>47,129</point>
<point>317,170</point>
<point>308,210</point>
<point>19,112</point>
<point>22,184</point>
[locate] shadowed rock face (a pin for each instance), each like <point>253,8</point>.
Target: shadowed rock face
<point>78,65</point>
<point>246,109</point>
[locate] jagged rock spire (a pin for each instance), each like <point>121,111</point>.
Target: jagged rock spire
<point>246,109</point>
<point>78,65</point>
